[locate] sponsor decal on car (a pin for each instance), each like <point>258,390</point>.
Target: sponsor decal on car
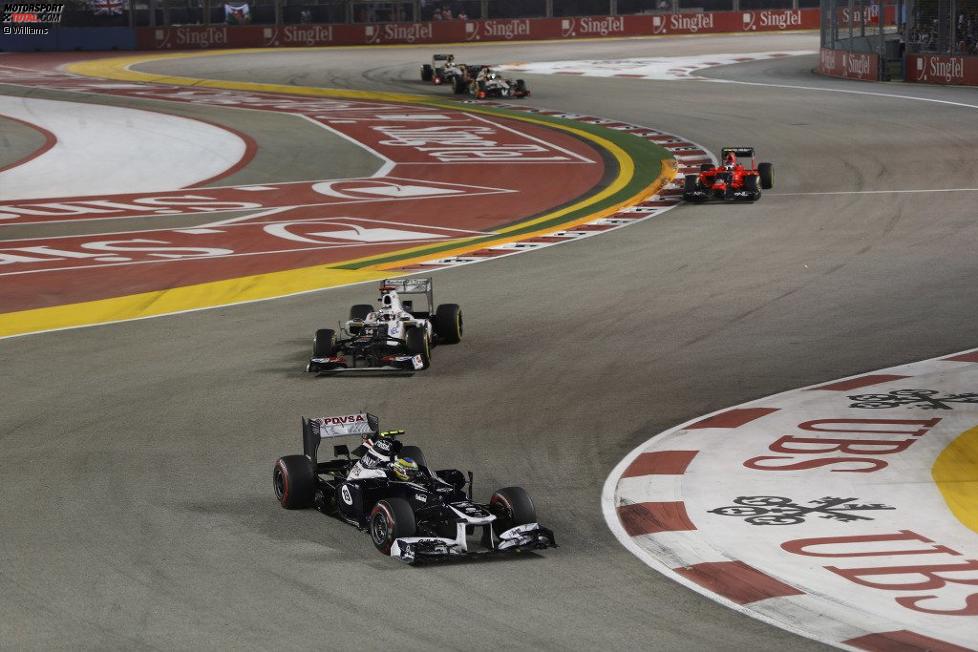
<point>345,495</point>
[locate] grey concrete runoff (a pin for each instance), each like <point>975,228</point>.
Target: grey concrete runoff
<point>137,507</point>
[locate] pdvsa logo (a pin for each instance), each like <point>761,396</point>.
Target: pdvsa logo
<point>592,26</point>
<point>298,35</point>
<point>765,20</point>
<point>689,23</point>
<point>498,29</point>
<point>940,69</point>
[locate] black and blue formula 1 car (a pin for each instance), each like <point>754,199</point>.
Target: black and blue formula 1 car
<point>413,513</point>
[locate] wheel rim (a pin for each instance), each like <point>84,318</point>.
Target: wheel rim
<point>278,481</point>
<point>379,529</point>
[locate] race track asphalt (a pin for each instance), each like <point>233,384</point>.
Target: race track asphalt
<point>138,511</point>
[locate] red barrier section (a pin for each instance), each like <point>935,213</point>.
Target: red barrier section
<point>849,65</point>
<point>942,69</point>
<point>458,31</point>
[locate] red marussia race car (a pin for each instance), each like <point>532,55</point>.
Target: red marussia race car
<point>733,180</point>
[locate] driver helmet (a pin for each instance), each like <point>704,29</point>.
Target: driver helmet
<point>378,454</point>
<point>730,160</point>
<point>450,60</point>
<point>492,75</point>
<point>405,469</point>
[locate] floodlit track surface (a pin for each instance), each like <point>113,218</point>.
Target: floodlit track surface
<point>138,510</point>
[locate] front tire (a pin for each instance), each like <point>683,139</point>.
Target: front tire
<point>766,172</point>
<point>324,344</point>
<point>513,507</point>
<point>294,481</point>
<point>448,323</point>
<point>391,519</point>
<point>417,344</point>
<point>427,72</point>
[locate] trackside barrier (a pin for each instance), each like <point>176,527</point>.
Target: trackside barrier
<point>942,69</point>
<point>460,31</point>
<point>71,38</point>
<point>849,65</point>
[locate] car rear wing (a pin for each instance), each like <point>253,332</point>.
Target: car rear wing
<point>440,57</point>
<point>407,285</point>
<point>745,152</point>
<point>316,429</point>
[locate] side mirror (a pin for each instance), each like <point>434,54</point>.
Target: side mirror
<point>341,450</point>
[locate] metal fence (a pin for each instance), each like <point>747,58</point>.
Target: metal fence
<point>875,26</point>
<point>943,27</point>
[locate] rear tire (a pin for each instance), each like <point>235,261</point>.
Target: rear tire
<point>417,344</point>
<point>427,72</point>
<point>513,507</point>
<point>391,519</point>
<point>459,87</point>
<point>294,481</point>
<point>706,167</point>
<point>361,310</point>
<point>691,183</point>
<point>766,172</point>
<point>324,344</point>
<point>448,323</point>
<point>414,453</point>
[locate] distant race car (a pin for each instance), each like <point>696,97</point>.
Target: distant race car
<point>391,337</point>
<point>488,84</point>
<point>441,70</point>
<point>413,513</point>
<point>738,178</point>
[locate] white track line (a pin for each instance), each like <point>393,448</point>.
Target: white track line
<point>107,150</point>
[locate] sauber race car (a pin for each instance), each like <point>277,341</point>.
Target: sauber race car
<point>412,512</point>
<point>442,69</point>
<point>392,336</point>
<point>490,84</point>
<point>738,178</point>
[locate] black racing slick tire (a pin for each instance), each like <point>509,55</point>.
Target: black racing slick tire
<point>766,172</point>
<point>294,481</point>
<point>706,167</point>
<point>513,507</point>
<point>459,85</point>
<point>448,323</point>
<point>417,344</point>
<point>414,453</point>
<point>691,182</point>
<point>361,310</point>
<point>324,344</point>
<point>750,185</point>
<point>391,519</point>
<point>427,72</point>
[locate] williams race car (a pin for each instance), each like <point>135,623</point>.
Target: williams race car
<point>391,337</point>
<point>413,513</point>
<point>731,181</point>
<point>490,84</point>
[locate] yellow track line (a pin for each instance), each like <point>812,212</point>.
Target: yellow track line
<point>289,282</point>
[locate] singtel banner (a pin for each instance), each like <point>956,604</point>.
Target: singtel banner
<point>457,31</point>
